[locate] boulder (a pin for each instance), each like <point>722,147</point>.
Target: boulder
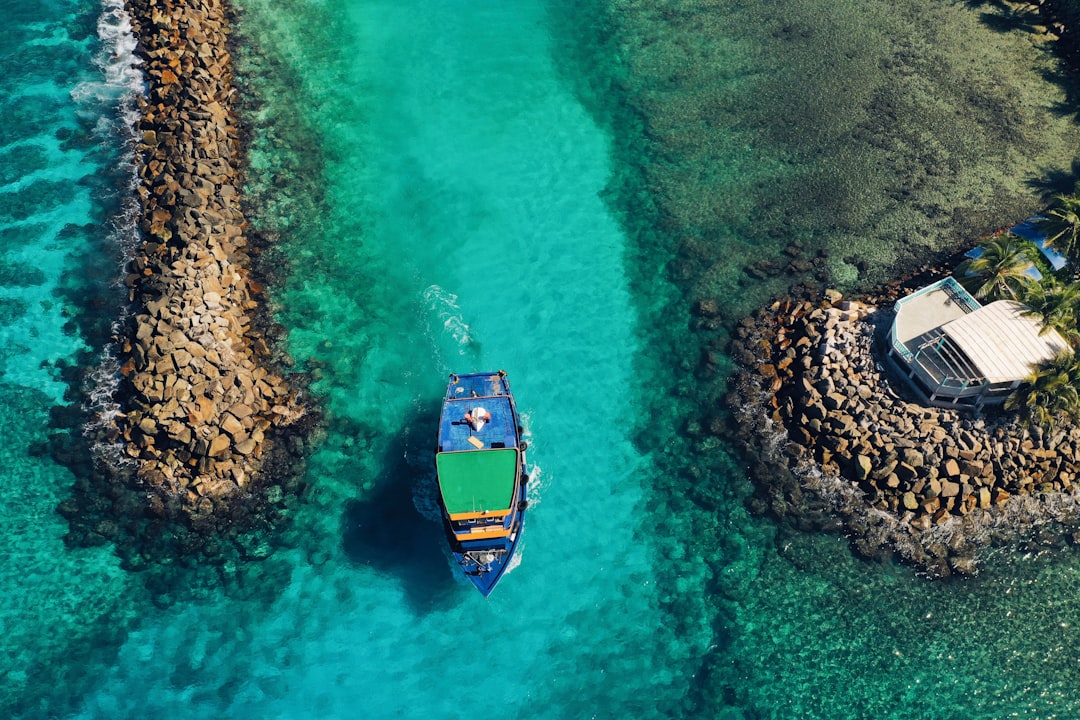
<point>949,488</point>
<point>218,445</point>
<point>181,358</point>
<point>933,488</point>
<point>246,447</point>
<point>862,466</point>
<point>906,473</point>
<point>232,425</point>
<point>912,457</point>
<point>833,401</point>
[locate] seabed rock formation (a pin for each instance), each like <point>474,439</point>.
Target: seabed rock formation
<point>202,405</point>
<point>837,443</point>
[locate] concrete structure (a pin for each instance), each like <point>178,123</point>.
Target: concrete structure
<point>960,352</point>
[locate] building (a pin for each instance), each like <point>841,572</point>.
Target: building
<point>960,352</point>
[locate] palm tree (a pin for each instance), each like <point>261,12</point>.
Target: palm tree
<point>1062,224</point>
<point>1055,304</point>
<point>999,272</point>
<point>1050,390</point>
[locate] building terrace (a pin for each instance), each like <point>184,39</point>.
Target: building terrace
<point>956,351</point>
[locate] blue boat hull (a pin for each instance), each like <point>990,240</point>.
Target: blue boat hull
<point>482,538</point>
<point>485,576</point>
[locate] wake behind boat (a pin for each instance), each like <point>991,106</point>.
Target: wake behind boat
<point>481,470</point>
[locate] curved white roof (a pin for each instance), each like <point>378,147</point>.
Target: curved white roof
<point>1002,342</point>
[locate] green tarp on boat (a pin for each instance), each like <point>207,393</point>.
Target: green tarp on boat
<point>475,481</point>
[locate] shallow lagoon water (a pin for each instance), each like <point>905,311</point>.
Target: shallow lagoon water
<point>458,187</point>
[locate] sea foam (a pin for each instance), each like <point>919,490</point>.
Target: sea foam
<point>443,305</point>
<point>113,100</point>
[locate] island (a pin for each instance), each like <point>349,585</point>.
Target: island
<point>921,419</point>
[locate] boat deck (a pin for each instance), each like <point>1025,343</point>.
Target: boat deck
<point>464,397</point>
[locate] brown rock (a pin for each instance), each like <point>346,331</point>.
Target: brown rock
<point>219,445</point>
<point>933,488</point>
<point>181,358</point>
<point>246,447</point>
<point>863,467</point>
<point>179,431</point>
<point>912,457</point>
<point>814,411</point>
<point>885,468</point>
<point>922,523</point>
<point>231,425</point>
<point>833,401</point>
<point>974,468</point>
<point>906,473</point>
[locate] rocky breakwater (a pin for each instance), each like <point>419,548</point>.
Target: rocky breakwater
<point>836,443</point>
<point>200,397</point>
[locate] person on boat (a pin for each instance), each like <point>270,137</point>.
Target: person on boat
<point>477,418</point>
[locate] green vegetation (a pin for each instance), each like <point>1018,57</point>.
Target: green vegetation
<point>1049,392</point>
<point>1055,303</point>
<point>1062,225</point>
<point>1002,271</point>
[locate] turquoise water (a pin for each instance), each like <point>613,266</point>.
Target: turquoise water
<point>61,180</point>
<point>528,186</point>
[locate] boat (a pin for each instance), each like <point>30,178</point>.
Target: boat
<point>480,465</point>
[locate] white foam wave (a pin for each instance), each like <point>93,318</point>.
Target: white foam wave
<point>449,314</point>
<point>103,381</point>
<point>537,484</point>
<point>102,408</point>
<point>120,84</point>
<point>515,559</point>
<point>121,79</point>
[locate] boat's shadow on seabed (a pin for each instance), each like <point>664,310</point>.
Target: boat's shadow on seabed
<point>385,531</point>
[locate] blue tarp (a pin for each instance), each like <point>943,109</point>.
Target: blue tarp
<point>1029,230</point>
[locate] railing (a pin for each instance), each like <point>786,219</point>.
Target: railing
<point>938,378</point>
<point>950,287</point>
<point>901,349</point>
<point>959,295</point>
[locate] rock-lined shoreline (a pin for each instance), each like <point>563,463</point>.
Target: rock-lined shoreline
<point>201,395</point>
<point>838,443</point>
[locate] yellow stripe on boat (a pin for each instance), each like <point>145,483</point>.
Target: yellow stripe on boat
<point>493,514</point>
<point>481,533</point>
